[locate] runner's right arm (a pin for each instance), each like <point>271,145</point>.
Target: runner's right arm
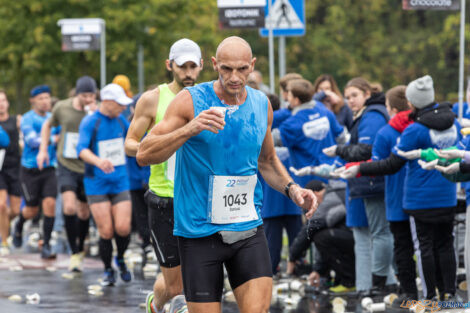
<point>177,126</point>
<point>144,117</point>
<point>43,155</point>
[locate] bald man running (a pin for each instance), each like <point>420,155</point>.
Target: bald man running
<point>221,130</point>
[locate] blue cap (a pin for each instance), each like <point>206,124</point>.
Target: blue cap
<point>39,89</point>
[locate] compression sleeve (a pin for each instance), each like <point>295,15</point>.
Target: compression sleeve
<point>388,166</point>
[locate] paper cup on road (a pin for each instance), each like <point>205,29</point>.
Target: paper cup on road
<point>339,300</point>
<point>295,285</point>
<point>220,109</point>
<point>388,299</point>
<point>338,308</point>
<point>95,287</point>
<point>33,298</point>
<point>15,298</point>
<point>366,302</point>
<point>96,293</point>
<point>376,307</point>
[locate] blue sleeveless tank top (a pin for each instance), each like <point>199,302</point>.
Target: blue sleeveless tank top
<point>234,151</point>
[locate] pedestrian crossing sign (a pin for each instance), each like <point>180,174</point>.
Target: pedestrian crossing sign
<point>286,18</point>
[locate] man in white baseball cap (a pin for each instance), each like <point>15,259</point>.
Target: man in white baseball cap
<point>185,64</point>
<point>185,50</point>
<point>114,92</point>
<point>101,147</point>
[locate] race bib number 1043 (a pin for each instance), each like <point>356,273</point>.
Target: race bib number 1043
<point>231,199</point>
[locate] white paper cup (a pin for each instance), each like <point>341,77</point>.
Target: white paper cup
<point>366,302</point>
<point>220,109</point>
<point>377,307</point>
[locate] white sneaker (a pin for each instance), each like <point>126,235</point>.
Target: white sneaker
<point>76,262</point>
<point>4,249</point>
<point>178,304</point>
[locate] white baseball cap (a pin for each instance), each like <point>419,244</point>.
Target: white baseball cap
<point>185,50</point>
<point>115,92</point>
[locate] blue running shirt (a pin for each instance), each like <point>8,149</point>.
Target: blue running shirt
<point>234,151</point>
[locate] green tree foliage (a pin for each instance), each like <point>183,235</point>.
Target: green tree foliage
<point>346,38</point>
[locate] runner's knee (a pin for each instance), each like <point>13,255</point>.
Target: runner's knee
<point>123,228</point>
<point>106,232</point>
<point>3,208</point>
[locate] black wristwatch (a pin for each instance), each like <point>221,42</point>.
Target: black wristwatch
<point>287,187</point>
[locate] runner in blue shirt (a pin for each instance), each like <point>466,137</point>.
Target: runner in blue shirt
<point>101,146</point>
<point>38,186</point>
<point>217,194</point>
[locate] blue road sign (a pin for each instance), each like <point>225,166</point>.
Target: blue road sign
<point>286,18</point>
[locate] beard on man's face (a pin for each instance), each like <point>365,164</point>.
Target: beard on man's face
<point>185,82</point>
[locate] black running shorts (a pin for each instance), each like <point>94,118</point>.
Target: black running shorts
<point>202,261</point>
<point>161,224</point>
<point>10,180</point>
<point>71,181</point>
<point>37,185</point>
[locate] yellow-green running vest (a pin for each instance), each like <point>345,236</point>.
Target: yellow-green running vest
<point>162,175</point>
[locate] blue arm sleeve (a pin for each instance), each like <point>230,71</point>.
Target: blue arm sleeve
<point>409,140</point>
<point>382,146</point>
<point>84,134</point>
<point>464,144</point>
<point>280,116</point>
<point>369,125</point>
<point>31,137</point>
<point>55,131</point>
<point>4,138</point>
<point>335,127</point>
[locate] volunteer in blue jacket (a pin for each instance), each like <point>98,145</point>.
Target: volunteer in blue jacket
<point>429,198</point>
<point>370,115</point>
<point>387,137</point>
<point>38,186</point>
<point>456,168</point>
<point>101,146</point>
<point>310,129</point>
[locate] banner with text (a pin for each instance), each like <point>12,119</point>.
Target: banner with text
<point>241,13</point>
<point>431,4</point>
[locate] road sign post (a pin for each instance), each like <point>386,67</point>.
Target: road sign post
<point>83,34</point>
<point>283,18</point>
<point>241,13</point>
<point>286,18</point>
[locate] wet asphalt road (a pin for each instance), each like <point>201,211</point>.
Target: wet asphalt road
<point>24,272</point>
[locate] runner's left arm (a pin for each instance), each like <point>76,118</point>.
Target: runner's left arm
<point>275,174</point>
